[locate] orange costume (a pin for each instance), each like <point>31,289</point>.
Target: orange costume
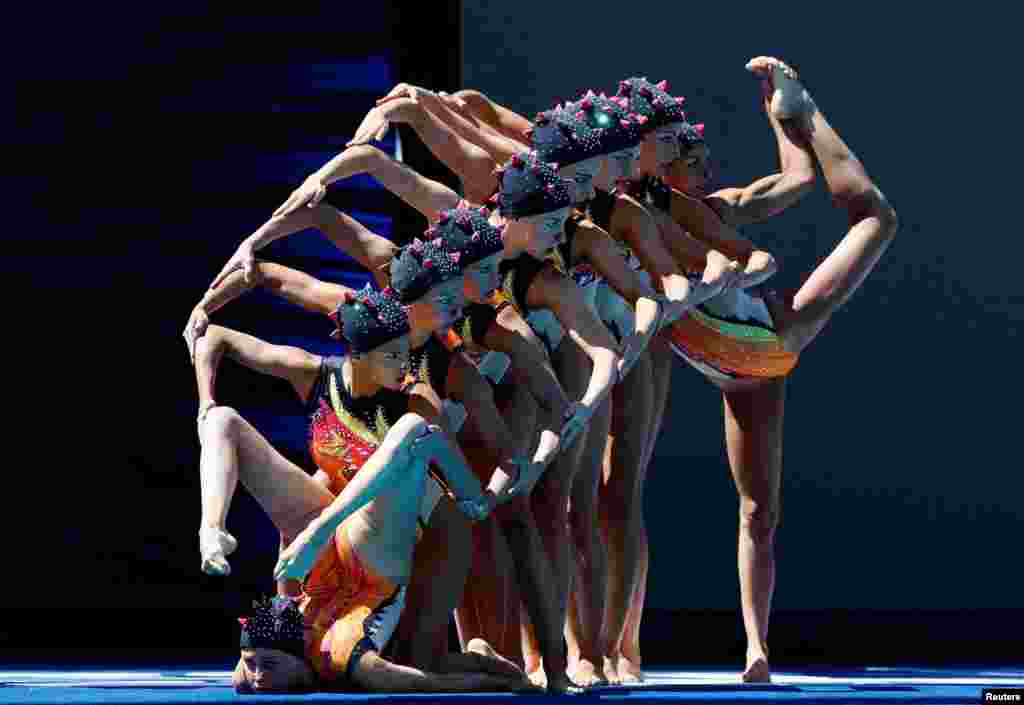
<point>347,609</point>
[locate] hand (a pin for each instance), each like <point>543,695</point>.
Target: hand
<point>297,560</point>
<point>454,415</point>
<point>576,419</point>
<point>404,90</point>
<point>453,102</point>
<point>204,409</point>
<point>529,474</point>
<point>425,446</point>
<point>377,122</point>
<point>479,508</point>
<point>631,349</point>
<point>309,194</point>
<point>244,259</point>
<point>195,329</point>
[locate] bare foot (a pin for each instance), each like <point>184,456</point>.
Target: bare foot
<point>611,669</point>
<point>757,671</point>
<point>789,99</point>
<point>629,672</point>
<point>539,678</point>
<point>587,675</point>
<point>719,273</point>
<point>493,662</point>
<point>214,545</point>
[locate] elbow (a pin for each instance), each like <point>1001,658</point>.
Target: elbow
<point>210,345</point>
<point>803,179</point>
<point>887,215</point>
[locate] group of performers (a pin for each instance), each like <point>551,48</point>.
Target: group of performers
<point>482,444</point>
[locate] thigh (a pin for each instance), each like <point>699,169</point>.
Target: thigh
<point>289,496</point>
<point>753,435</point>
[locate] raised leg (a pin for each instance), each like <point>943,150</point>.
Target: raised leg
<point>234,451</point>
<point>873,226</point>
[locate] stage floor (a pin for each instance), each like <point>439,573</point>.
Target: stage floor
<point>869,685</point>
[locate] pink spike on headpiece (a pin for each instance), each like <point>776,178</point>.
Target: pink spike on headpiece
<point>699,127</point>
<point>624,87</point>
<point>661,85</point>
<point>476,237</point>
<point>587,104</point>
<point>603,96</point>
<point>589,94</point>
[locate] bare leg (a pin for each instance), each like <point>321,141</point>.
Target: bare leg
<point>753,435</point>
<point>873,226</point>
<point>234,451</point>
<point>629,662</point>
<point>376,674</point>
<point>591,555</point>
<point>628,654</point>
<point>550,499</point>
<point>441,565</point>
<point>622,502</point>
<point>489,608</point>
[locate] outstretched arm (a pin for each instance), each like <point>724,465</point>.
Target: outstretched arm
<point>506,121</point>
<point>297,366</point>
<point>425,195</point>
<point>467,160</point>
<point>558,293</point>
<point>772,194</point>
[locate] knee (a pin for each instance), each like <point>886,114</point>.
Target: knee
<point>222,422</point>
<point>758,521</point>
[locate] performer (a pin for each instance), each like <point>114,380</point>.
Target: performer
<point>748,342</point>
<point>430,283</point>
<point>355,547</point>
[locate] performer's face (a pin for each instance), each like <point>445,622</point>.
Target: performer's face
<point>269,671</point>
<point>442,304</point>
<point>546,231</point>
<point>666,143</point>
<point>622,163</point>
<point>482,278</point>
<point>390,362</point>
<point>582,174</point>
<point>691,173</point>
